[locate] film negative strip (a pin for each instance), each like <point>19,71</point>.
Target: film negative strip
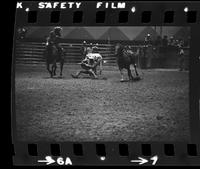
<point>106,83</point>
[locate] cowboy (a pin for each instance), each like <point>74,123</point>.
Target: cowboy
<point>55,38</point>
<point>171,41</point>
<point>165,41</point>
<point>84,49</point>
<point>181,57</point>
<point>88,64</point>
<point>147,40</point>
<point>95,48</point>
<point>90,48</point>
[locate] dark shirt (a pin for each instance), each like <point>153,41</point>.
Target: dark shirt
<point>164,42</point>
<point>83,50</point>
<point>158,42</point>
<point>54,38</point>
<point>87,64</point>
<point>147,42</point>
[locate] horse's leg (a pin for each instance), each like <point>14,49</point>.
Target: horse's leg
<point>122,75</point>
<point>136,70</point>
<point>130,76</point>
<point>52,69</point>
<point>49,69</point>
<point>100,65</point>
<point>61,67</point>
<point>55,67</point>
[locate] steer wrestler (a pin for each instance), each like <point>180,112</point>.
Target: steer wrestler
<point>88,65</point>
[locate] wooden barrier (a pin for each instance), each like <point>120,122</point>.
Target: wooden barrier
<point>32,52</point>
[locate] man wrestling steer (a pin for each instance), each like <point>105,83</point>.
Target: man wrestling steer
<point>89,65</point>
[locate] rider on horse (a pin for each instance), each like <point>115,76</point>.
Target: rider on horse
<point>54,39</point>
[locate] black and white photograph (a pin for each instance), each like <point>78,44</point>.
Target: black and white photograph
<point>102,83</point>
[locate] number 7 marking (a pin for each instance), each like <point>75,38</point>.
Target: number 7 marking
<point>155,159</point>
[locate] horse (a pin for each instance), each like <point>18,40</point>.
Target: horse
<point>124,59</point>
<point>52,56</point>
<point>98,59</point>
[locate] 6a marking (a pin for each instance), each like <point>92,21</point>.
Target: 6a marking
<point>60,161</point>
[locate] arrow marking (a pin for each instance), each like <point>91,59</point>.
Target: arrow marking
<point>140,161</point>
<point>48,160</point>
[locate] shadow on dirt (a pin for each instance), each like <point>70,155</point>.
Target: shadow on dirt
<point>134,80</point>
<point>87,77</point>
<point>55,77</point>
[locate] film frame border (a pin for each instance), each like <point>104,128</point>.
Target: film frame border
<point>113,157</point>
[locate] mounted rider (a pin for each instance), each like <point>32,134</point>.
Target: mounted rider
<point>54,39</point>
<point>128,50</point>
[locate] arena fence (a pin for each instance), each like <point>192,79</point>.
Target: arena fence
<point>162,57</point>
<point>32,52</point>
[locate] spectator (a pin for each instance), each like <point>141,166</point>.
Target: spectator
<point>187,42</point>
<point>21,33</point>
<point>147,40</point>
<point>171,41</point>
<point>181,56</point>
<point>176,42</point>
<point>84,49</point>
<point>165,41</point>
<point>181,42</point>
<point>89,49</point>
<point>158,41</point>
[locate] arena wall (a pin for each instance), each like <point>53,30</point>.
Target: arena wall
<point>162,57</point>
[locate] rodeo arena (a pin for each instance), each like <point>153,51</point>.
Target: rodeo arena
<point>118,83</point>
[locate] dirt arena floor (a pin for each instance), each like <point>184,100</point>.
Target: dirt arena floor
<point>66,109</point>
